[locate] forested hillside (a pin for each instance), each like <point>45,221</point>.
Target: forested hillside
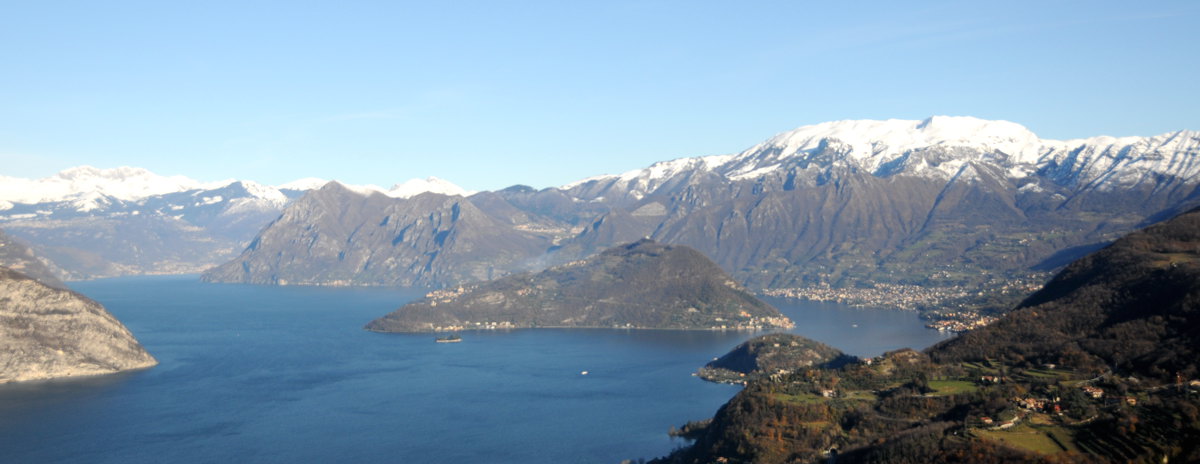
<point>1098,366</point>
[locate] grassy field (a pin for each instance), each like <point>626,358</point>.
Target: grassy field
<point>951,387</point>
<point>1051,374</point>
<point>1041,439</point>
<point>860,395</point>
<point>1039,373</point>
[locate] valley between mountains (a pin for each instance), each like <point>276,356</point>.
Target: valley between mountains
<point>929,212</point>
<point>955,216</point>
<point>916,214</point>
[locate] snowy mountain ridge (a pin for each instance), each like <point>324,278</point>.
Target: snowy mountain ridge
<point>87,188</point>
<point>940,147</point>
<point>88,183</point>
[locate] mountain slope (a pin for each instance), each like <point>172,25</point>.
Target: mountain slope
<point>15,256</point>
<point>108,222</point>
<point>338,236</point>
<point>1133,306</point>
<point>944,202</point>
<point>642,285</point>
<point>853,202</point>
<point>168,233</point>
<point>48,332</point>
<point>1101,365</point>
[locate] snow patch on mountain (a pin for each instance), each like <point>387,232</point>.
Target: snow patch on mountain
<point>364,190</point>
<point>90,201</point>
<point>264,192</point>
<point>414,187</point>
<point>871,144</point>
<point>87,185</point>
<point>307,183</point>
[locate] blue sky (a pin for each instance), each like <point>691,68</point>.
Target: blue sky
<point>490,94</point>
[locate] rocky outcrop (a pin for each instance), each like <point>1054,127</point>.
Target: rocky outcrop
<point>48,332</point>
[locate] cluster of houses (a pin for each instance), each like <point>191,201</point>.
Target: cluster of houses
<point>1039,404</point>
<point>1094,392</point>
<point>990,379</point>
<point>1051,406</point>
<point>1054,406</point>
<point>961,322</point>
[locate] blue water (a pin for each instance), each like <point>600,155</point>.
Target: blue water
<point>286,374</point>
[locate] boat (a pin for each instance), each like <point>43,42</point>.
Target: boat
<point>450,339</point>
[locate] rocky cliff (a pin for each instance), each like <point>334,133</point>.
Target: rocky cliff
<point>338,236</point>
<point>48,332</point>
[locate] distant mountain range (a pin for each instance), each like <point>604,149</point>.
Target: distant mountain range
<point>91,222</point>
<point>940,202</point>
<point>947,201</point>
<point>48,331</point>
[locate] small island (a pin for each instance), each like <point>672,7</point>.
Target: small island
<point>642,285</point>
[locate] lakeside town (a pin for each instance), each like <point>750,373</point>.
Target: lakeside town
<point>881,295</point>
<point>953,308</point>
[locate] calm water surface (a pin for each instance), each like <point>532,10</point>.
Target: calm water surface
<point>286,374</point>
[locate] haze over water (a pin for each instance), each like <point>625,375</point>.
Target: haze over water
<point>286,374</point>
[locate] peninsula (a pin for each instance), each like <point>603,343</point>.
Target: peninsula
<point>642,285</point>
<point>772,355</point>
<point>48,332</point>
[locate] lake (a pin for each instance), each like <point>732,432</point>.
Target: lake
<point>286,374</point>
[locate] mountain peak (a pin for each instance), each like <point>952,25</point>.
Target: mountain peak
<point>873,138</point>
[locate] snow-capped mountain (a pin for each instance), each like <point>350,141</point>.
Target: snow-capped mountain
<point>86,189</point>
<point>89,189</point>
<point>940,147</point>
<point>123,183</point>
<point>104,222</point>
<point>943,201</point>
